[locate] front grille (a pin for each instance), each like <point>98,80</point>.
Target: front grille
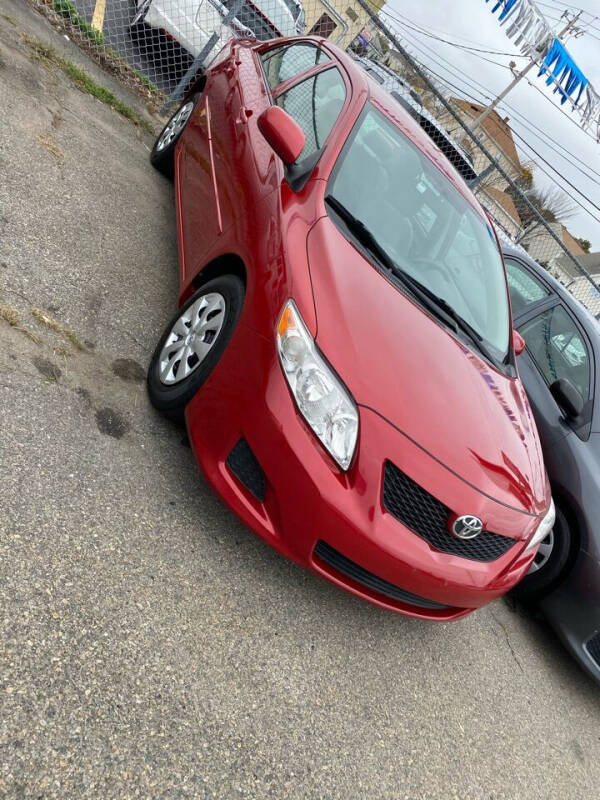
<point>359,574</point>
<point>242,462</point>
<point>426,516</point>
<point>593,647</point>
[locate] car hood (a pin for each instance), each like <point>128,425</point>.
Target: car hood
<point>395,359</point>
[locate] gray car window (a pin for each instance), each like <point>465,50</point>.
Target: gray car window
<point>283,63</point>
<point>524,289</point>
<point>315,104</point>
<point>558,348</point>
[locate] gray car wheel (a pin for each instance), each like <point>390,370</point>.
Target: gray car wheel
<point>550,562</point>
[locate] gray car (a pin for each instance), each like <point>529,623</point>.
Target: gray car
<point>558,369</point>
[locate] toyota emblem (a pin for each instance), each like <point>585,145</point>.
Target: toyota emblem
<point>467,527</point>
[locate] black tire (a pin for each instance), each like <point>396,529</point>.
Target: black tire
<point>537,584</point>
<point>162,157</point>
<point>171,399</point>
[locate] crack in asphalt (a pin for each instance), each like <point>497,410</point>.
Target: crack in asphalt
<point>508,642</point>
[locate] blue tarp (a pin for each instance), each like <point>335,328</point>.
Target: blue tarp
<point>508,5</point>
<point>530,31</point>
<point>564,72</point>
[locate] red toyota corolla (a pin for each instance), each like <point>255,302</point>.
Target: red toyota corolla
<point>343,349</point>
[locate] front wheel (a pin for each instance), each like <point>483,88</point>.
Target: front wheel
<point>162,156</point>
<point>192,344</point>
<point>549,563</point>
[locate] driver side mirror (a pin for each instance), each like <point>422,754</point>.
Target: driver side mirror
<point>283,134</point>
<point>518,342</point>
<point>567,398</point>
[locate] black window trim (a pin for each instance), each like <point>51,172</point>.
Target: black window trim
<point>296,78</point>
<point>297,174</point>
<point>539,305</point>
<point>583,427</point>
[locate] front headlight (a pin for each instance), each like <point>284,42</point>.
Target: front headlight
<point>544,528</point>
<point>322,399</point>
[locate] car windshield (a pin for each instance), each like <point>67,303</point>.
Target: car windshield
<point>424,224</point>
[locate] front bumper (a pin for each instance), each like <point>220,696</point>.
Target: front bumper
<point>307,499</point>
<point>573,609</point>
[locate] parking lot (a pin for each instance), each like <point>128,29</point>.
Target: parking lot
<point>151,646</point>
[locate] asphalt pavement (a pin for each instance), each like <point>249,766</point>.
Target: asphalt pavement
<point>150,645</point>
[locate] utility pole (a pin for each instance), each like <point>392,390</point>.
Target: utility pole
<point>518,77</point>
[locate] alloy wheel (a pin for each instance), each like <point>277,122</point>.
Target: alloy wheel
<point>174,126</point>
<point>191,338</point>
<point>543,554</point>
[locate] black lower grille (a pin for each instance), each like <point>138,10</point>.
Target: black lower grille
<point>243,464</point>
<point>359,574</point>
<point>593,647</point>
<point>426,516</point>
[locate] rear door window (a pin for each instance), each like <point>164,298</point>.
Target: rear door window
<point>315,104</point>
<point>282,63</point>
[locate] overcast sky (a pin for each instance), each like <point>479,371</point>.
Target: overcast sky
<point>471,22</point>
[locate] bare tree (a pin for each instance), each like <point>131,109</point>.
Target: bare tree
<point>552,203</point>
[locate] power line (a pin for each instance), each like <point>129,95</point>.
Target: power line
<point>484,89</point>
<point>560,175</point>
<point>588,23</point>
<point>416,28</point>
<point>448,83</point>
<point>403,20</point>
<point>530,83</point>
<point>574,8</point>
<point>397,16</point>
<point>563,5</point>
<point>529,122</point>
<point>547,144</point>
<point>550,146</point>
<point>562,111</point>
<point>566,180</point>
<point>552,177</point>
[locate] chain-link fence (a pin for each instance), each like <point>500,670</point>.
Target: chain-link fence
<point>163,44</point>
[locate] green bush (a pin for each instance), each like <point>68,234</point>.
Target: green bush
<point>67,9</point>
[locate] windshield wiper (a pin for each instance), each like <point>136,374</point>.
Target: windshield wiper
<point>460,323</point>
<point>362,233</point>
<point>437,305</point>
